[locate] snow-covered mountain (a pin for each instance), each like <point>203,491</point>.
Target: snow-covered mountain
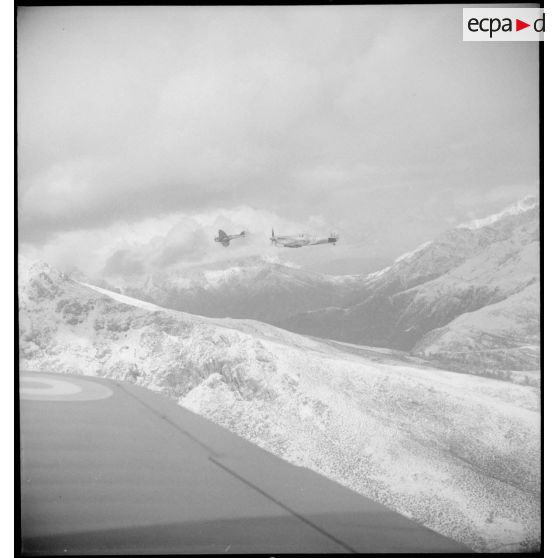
<point>255,288</point>
<point>458,453</point>
<point>501,339</point>
<point>447,288</point>
<point>405,306</point>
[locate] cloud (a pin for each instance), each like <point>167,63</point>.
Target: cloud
<point>190,242</point>
<point>378,127</point>
<point>176,240</point>
<point>123,263</point>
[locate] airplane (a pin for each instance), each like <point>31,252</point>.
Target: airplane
<point>300,240</point>
<point>225,238</point>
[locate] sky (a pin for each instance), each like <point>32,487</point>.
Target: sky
<point>144,130</point>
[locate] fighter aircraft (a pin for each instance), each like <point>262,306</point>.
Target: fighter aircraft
<point>300,240</point>
<point>225,238</point>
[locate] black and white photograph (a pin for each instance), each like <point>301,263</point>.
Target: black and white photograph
<point>278,279</point>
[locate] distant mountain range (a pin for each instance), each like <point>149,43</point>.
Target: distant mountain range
<point>470,298</point>
<point>467,300</point>
<point>253,288</point>
<point>458,453</point>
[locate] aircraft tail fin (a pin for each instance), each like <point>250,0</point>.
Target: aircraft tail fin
<point>243,233</point>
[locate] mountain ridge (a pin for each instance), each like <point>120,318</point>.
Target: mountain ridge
<point>459,273</point>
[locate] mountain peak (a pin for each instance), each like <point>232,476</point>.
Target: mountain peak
<point>29,268</point>
<point>516,208</point>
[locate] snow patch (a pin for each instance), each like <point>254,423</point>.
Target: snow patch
<point>124,299</point>
<point>518,207</point>
<point>408,255</point>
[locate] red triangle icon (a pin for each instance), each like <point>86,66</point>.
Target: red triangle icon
<point>519,25</point>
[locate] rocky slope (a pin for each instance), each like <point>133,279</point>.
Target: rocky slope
<point>458,453</point>
<point>500,340</point>
<point>465,271</point>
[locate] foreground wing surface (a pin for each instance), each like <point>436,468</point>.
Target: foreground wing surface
<point>111,468</point>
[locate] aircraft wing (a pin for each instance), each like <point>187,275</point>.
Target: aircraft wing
<point>231,496</point>
<point>225,242</point>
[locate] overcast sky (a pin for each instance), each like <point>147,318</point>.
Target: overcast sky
<point>142,130</point>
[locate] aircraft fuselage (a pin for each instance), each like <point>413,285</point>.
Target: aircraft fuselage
<point>224,239</point>
<point>298,241</point>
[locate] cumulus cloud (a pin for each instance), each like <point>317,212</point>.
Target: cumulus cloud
<point>122,262</point>
<point>190,242</point>
<point>178,240</point>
